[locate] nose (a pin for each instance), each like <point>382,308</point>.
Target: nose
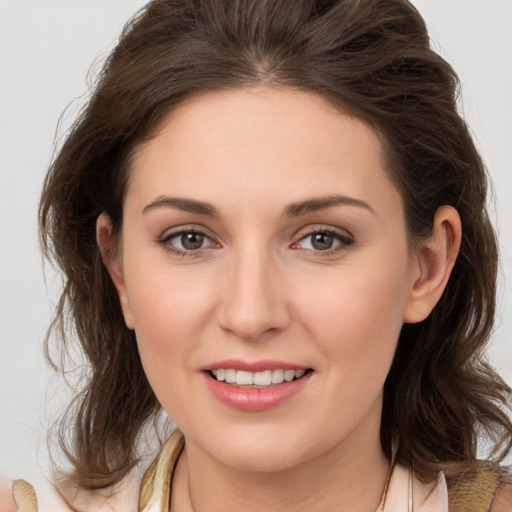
<point>254,299</point>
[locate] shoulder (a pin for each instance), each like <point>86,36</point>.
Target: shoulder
<point>7,503</point>
<point>44,497</point>
<point>502,501</point>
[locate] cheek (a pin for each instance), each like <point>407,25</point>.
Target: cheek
<point>169,307</point>
<point>356,320</point>
<point>168,321</point>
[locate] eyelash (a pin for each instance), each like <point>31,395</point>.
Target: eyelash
<point>343,240</point>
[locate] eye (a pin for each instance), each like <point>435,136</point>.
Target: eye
<point>186,241</point>
<point>189,241</point>
<point>319,241</point>
<point>324,241</point>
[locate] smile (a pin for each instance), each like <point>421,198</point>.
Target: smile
<point>262,379</point>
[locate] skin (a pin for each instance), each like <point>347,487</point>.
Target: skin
<point>6,500</point>
<point>258,289</point>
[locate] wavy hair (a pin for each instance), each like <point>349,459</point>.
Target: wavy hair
<point>371,58</point>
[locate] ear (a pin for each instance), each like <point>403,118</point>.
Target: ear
<point>435,259</point>
<point>112,261</point>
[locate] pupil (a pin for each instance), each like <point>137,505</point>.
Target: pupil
<point>322,241</point>
<point>192,241</point>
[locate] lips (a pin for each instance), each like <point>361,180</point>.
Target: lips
<point>255,386</point>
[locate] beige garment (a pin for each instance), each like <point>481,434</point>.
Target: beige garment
<point>24,496</point>
<point>475,494</point>
<point>404,492</point>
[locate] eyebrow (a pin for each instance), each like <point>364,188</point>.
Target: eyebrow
<point>322,203</point>
<point>292,210</point>
<point>186,205</point>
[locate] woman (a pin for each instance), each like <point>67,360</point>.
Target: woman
<point>272,224</point>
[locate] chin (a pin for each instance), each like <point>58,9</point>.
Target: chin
<point>263,451</point>
<point>260,461</point>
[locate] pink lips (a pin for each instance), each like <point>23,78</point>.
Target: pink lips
<point>254,399</point>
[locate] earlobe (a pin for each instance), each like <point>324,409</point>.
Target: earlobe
<point>112,262</point>
<point>435,259</point>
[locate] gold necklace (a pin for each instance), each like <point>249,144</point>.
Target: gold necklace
<point>382,503</point>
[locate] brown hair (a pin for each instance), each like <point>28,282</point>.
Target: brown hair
<point>370,57</point>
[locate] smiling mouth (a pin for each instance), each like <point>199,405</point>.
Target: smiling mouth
<point>264,379</point>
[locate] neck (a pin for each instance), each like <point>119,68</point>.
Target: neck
<point>349,477</point>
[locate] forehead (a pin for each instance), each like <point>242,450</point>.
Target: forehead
<point>259,143</point>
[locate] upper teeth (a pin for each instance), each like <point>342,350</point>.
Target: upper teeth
<point>265,378</point>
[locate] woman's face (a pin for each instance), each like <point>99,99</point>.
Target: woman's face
<point>262,240</point>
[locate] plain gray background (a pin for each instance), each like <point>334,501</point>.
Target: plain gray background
<point>46,50</point>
